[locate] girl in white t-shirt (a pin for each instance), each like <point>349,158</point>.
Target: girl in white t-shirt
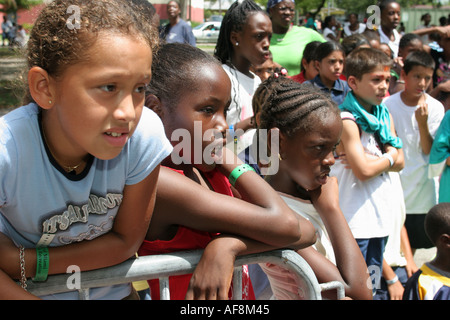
<point>309,127</point>
<point>243,41</point>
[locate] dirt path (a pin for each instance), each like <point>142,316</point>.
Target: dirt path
<point>11,68</point>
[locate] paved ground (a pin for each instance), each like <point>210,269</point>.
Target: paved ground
<point>11,68</point>
<point>424,255</point>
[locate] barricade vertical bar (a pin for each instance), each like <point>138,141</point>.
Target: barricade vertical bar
<point>237,283</point>
<point>164,291</point>
<point>340,290</point>
<point>83,294</point>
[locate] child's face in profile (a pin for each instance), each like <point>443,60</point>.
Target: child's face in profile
<point>310,69</point>
<point>100,100</point>
<point>371,89</point>
<point>310,155</point>
<point>201,111</point>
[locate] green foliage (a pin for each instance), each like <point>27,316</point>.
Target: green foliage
<point>11,6</point>
<point>357,6</point>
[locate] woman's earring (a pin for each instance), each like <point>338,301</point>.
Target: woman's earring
<point>49,101</point>
<point>280,157</point>
<point>237,43</point>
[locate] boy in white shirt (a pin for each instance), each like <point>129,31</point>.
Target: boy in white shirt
<point>417,117</point>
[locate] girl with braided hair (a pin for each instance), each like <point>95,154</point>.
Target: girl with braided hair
<point>220,206</point>
<point>309,128</point>
<point>243,41</point>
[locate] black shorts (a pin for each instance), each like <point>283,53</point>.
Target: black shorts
<point>418,238</point>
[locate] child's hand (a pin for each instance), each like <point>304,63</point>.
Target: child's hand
<point>211,279</point>
<point>396,291</point>
<point>392,151</point>
<point>398,64</point>
<point>326,198</point>
<point>422,114</point>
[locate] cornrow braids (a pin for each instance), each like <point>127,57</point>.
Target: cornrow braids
<point>291,105</point>
<point>233,21</point>
<point>262,93</point>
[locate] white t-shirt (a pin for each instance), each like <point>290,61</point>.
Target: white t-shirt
<point>37,197</point>
<point>420,191</point>
<point>392,252</point>
<point>394,45</point>
<point>284,285</point>
<point>348,32</point>
<point>242,90</point>
<point>328,31</point>
<point>367,205</point>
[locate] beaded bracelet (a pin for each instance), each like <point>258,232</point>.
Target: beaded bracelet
<point>238,171</point>
<point>231,129</point>
<point>42,264</point>
<point>233,133</point>
<point>23,278</point>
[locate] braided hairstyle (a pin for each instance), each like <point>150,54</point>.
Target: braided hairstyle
<point>292,106</point>
<point>175,69</point>
<point>234,20</point>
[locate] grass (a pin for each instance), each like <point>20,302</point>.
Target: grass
<point>208,47</point>
<point>10,94</point>
<point>10,90</point>
<point>6,52</point>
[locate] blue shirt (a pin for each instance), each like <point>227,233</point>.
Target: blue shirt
<point>37,197</point>
<point>337,93</point>
<point>428,283</point>
<point>180,33</point>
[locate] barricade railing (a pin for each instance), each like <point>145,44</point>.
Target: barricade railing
<point>179,263</point>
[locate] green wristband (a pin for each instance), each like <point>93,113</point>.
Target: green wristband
<point>42,264</point>
<point>236,173</point>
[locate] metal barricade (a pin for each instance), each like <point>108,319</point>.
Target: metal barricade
<point>179,263</point>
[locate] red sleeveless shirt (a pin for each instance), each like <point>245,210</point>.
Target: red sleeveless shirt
<point>190,239</point>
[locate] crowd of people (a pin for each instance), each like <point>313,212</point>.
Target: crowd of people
<point>335,145</point>
<point>13,35</point>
